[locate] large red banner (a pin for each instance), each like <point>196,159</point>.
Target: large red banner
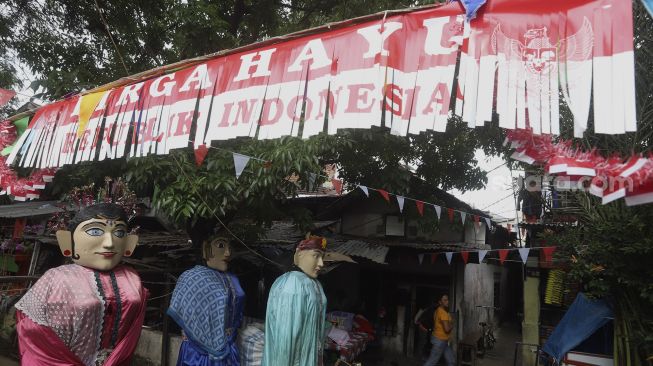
<point>396,71</point>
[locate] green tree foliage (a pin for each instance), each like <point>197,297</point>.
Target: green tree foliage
<point>70,43</point>
<point>8,78</point>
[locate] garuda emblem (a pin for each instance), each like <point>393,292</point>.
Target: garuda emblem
<point>538,54</point>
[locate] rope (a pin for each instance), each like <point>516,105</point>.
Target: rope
<point>495,202</point>
<point>106,26</point>
<point>158,297</point>
<point>495,168</point>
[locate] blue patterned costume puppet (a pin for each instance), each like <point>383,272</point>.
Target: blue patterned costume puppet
<point>295,322</point>
<point>208,305</point>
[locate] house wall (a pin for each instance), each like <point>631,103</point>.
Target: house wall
<point>368,219</point>
<point>478,291</point>
<point>477,288</point>
<point>469,285</point>
<point>457,297</point>
<point>530,324</point>
<point>150,344</point>
<point>364,225</point>
<point>373,225</point>
<point>475,237</point>
<point>446,233</point>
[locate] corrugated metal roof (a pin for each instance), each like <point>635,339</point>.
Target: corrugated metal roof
<point>25,209</point>
<point>358,248</point>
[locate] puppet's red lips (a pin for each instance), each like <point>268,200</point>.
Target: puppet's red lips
<point>107,254</point>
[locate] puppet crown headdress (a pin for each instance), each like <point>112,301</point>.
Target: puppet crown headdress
<point>114,191</point>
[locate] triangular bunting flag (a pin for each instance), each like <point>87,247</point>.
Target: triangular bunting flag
<point>385,194</point>
<point>337,185</point>
<point>547,252</point>
<point>523,252</point>
<point>86,108</point>
<point>240,162</point>
<point>400,202</point>
<point>200,154</point>
<point>450,213</point>
<point>509,228</point>
<point>471,7</point>
<point>420,258</point>
<point>481,255</point>
<point>364,189</point>
<point>449,255</point>
<point>434,257</point>
<point>462,216</point>
<point>5,96</point>
<point>477,221</point>
<point>438,210</point>
<point>503,254</point>
<point>464,256</point>
<point>488,222</point>
<point>420,207</point>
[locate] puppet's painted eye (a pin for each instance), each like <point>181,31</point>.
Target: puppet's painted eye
<point>95,232</point>
<point>120,233</point>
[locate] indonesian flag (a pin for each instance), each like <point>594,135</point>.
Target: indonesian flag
<point>642,186</point>
<point>619,180</point>
<point>5,96</point>
<point>600,181</point>
<point>583,164</point>
<point>537,54</point>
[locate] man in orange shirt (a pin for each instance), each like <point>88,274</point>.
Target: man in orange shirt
<point>441,332</point>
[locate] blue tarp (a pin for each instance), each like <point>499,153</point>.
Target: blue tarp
<point>648,4</point>
<point>584,317</point>
<point>471,7</point>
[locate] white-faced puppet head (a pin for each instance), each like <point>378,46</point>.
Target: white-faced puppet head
<point>309,255</point>
<point>217,253</point>
<point>98,237</point>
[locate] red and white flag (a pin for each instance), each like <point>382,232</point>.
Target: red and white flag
<point>641,191</point>
<point>5,96</point>
<point>547,47</point>
<point>399,69</point>
<point>619,180</point>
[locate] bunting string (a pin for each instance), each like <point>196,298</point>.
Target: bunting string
<point>337,183</point>
<point>420,203</point>
<point>546,254</point>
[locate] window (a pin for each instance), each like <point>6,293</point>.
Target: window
<point>394,226</point>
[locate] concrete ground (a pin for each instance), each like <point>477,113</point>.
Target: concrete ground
<point>501,355</point>
<point>504,350</point>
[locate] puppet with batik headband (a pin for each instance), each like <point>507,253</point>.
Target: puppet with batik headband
<point>208,303</point>
<point>295,322</point>
<point>89,312</point>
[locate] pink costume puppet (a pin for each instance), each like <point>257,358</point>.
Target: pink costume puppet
<point>88,313</point>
